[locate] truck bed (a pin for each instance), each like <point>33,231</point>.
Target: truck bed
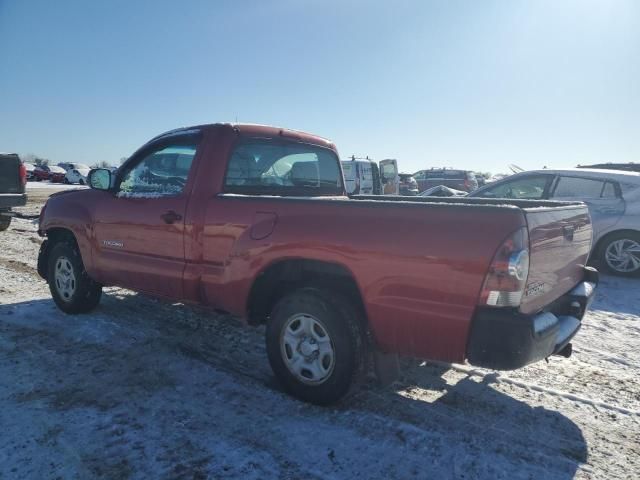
<point>560,237</point>
<point>523,204</point>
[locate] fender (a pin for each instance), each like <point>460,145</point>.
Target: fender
<point>74,215</point>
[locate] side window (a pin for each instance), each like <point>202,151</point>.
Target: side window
<point>574,187</point>
<point>629,189</point>
<point>162,173</point>
<point>388,170</point>
<point>609,190</point>
<point>266,167</point>
<point>528,188</point>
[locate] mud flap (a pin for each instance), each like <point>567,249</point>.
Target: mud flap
<point>43,259</point>
<point>387,367</point>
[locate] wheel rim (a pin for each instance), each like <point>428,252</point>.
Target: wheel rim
<point>307,349</point>
<point>65,279</point>
<point>623,255</point>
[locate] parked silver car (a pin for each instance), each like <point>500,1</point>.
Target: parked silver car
<point>613,198</point>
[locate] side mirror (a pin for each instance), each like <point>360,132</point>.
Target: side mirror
<point>100,179</point>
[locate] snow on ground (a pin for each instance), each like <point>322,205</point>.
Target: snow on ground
<point>143,389</point>
<point>53,186</point>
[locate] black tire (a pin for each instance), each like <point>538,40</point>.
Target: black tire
<point>4,223</point>
<point>86,293</point>
<point>81,182</point>
<point>340,320</point>
<point>65,181</point>
<point>608,242</point>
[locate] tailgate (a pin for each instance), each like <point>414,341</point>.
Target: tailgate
<point>559,244</point>
<point>10,174</point>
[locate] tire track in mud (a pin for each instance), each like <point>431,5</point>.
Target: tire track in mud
<point>18,266</point>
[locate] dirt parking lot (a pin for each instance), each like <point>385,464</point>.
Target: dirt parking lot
<point>144,389</point>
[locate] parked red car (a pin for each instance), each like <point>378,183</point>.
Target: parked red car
<point>255,221</point>
<point>52,173</point>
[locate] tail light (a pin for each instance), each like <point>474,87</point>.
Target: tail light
<point>22,172</point>
<point>507,276</point>
<point>467,184</point>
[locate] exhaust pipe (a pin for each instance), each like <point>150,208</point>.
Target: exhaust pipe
<point>566,351</point>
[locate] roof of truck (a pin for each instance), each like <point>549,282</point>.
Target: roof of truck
<point>253,129</point>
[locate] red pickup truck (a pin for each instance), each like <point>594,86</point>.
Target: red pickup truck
<point>254,221</point>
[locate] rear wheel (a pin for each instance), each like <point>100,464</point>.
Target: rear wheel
<point>620,254</point>
<point>71,287</point>
<point>4,223</point>
<point>315,345</point>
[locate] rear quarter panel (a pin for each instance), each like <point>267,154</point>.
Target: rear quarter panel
<point>419,267</point>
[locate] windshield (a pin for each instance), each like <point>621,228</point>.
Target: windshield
<point>283,168</point>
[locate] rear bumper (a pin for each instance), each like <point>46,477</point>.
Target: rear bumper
<point>8,200</point>
<point>505,339</point>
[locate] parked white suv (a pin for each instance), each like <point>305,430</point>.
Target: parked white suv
<point>613,198</point>
<point>76,173</point>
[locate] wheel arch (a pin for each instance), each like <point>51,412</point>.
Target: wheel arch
<point>601,242</point>
<point>54,235</point>
<point>285,275</point>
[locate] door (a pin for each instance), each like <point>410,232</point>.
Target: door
<point>139,228</point>
<point>349,170</point>
<point>602,197</point>
<point>389,177</point>
<point>365,174</point>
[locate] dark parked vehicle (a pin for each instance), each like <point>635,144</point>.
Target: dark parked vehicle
<point>13,180</point>
<point>457,179</point>
<point>626,167</point>
<point>408,185</point>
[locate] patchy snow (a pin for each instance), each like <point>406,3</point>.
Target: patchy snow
<point>144,389</point>
<point>51,186</point>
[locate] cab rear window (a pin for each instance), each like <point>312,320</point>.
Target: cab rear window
<point>283,168</point>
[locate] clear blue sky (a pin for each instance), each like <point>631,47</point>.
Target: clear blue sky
<point>474,84</point>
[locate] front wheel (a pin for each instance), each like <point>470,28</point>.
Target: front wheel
<point>72,289</point>
<point>620,254</point>
<point>315,345</point>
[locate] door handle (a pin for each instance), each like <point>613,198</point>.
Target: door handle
<point>171,217</point>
